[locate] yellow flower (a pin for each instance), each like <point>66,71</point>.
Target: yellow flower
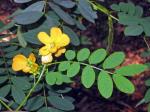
<point>20,62</point>
<point>55,43</point>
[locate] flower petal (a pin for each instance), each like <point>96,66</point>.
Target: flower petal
<point>44,38</point>
<point>55,32</point>
<point>47,59</point>
<point>19,62</point>
<point>53,49</point>
<point>63,41</point>
<point>44,50</point>
<point>32,57</point>
<point>60,52</point>
<point>26,69</point>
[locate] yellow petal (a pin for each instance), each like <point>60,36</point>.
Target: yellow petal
<point>26,69</point>
<point>19,62</point>
<point>44,38</point>
<point>44,50</point>
<point>47,59</point>
<point>63,41</point>
<point>55,32</point>
<point>32,57</point>
<point>60,52</point>
<point>53,49</point>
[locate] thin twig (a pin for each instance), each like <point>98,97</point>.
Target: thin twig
<point>31,90</point>
<point>3,103</point>
<point>144,38</point>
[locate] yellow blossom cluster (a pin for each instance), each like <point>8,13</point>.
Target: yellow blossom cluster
<point>53,44</point>
<point>27,65</point>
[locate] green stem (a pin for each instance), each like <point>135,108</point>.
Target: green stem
<point>103,9</point>
<point>96,68</point>
<point>110,37</point>
<point>44,92</point>
<point>8,108</point>
<point>45,6</point>
<point>144,38</point>
<point>81,63</point>
<point>31,90</point>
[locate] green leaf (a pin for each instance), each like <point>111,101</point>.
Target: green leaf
<point>65,3</point>
<point>123,84</point>
<point>105,84</point>
<point>85,9</point>
<point>51,78</point>
<point>126,19</point>
<point>149,103</point>
<point>66,79</point>
<point>21,83</point>
<point>12,54</point>
<point>4,91</point>
<point>15,13</point>
<point>0,107</point>
<point>53,15</point>
<point>70,98</point>
<point>80,25</point>
<point>31,35</point>
<point>135,30</point>
<point>123,7</point>
<point>63,66</point>
<point>22,1</point>
<point>131,70</point>
<point>70,54</point>
<point>138,11</point>
<point>26,51</point>
<point>73,70</point>
<point>8,26</point>
<point>2,62</point>
<point>147,82</point>
<point>115,7</point>
<point>146,53</point>
<point>3,79</point>
<point>131,8</point>
<point>147,96</point>
<point>1,24</point>
<point>21,39</point>
<point>146,25</point>
<point>38,87</point>
<point>97,56</point>
<point>66,90</point>
<point>73,36</point>
<point>49,109</point>
<point>114,60</point>
<point>11,48</point>
<point>34,103</point>
<point>26,18</point>
<point>62,14</point>
<point>83,54</point>
<point>2,70</point>
<point>61,103</point>
<point>88,77</point>
<point>59,79</point>
<point>37,6</point>
<point>17,94</point>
